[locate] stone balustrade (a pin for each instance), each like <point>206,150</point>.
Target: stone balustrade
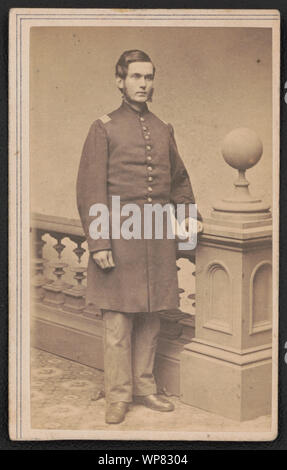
<point>56,291</point>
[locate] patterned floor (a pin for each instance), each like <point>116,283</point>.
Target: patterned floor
<point>67,395</point>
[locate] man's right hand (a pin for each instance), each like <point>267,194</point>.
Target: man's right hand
<point>104,259</point>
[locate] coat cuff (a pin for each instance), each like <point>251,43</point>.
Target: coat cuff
<point>99,245</point>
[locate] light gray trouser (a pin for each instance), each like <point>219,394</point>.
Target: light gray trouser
<point>130,342</point>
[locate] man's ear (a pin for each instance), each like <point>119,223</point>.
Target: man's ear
<point>120,83</point>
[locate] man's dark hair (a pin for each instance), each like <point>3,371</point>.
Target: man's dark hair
<point>127,58</point>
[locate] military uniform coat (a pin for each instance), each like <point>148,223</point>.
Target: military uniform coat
<point>133,155</point>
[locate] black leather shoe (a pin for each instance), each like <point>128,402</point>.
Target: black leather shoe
<point>116,412</point>
<point>155,402</point>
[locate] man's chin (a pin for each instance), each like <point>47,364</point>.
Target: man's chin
<point>140,99</point>
<point>136,100</point>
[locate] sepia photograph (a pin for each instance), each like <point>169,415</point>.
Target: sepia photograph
<point>144,224</point>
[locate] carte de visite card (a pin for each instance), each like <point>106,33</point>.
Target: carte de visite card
<point>144,224</point>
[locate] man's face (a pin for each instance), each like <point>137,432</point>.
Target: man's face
<point>138,84</point>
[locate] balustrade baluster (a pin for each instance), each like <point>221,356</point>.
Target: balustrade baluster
<point>180,290</point>
<point>54,291</point>
<point>192,297</point>
<point>38,263</point>
<point>79,251</point>
<point>38,278</point>
<point>187,307</point>
<point>59,247</point>
<point>75,296</point>
<point>37,242</point>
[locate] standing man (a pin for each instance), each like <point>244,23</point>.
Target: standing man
<point>132,154</point>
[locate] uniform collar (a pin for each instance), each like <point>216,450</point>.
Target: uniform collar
<point>127,107</point>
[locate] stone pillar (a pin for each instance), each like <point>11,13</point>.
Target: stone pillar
<point>226,368</point>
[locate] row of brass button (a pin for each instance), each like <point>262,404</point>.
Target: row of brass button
<point>149,157</point>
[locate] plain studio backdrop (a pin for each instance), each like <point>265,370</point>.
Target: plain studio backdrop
<point>208,81</point>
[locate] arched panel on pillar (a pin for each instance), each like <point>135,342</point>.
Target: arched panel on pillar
<point>218,315</point>
<point>261,298</point>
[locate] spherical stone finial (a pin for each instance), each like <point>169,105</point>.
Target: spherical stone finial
<point>242,148</point>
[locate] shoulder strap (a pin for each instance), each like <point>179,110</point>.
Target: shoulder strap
<point>105,118</point>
